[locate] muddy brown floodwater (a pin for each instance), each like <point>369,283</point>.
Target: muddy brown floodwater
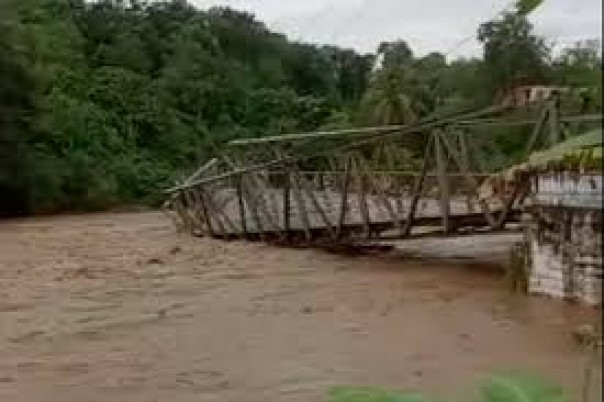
<point>118,307</point>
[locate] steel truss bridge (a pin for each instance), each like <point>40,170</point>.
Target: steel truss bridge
<point>433,178</point>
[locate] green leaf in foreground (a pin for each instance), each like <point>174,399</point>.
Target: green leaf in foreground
<point>350,394</point>
<point>519,387</point>
<point>526,7</point>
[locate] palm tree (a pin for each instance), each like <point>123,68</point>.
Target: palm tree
<point>388,99</point>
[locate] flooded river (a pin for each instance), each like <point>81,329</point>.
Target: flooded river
<point>118,307</point>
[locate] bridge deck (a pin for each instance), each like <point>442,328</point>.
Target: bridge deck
<point>321,220</point>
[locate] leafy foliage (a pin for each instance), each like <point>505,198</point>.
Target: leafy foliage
<point>580,67</point>
<point>520,387</point>
<point>506,387</point>
<point>107,102</point>
<point>344,394</point>
<point>583,151</point>
<point>525,7</point>
<point>513,54</point>
<point>16,99</point>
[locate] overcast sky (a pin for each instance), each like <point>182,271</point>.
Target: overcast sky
<point>427,25</point>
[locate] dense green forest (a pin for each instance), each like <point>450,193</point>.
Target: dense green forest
<point>106,103</point>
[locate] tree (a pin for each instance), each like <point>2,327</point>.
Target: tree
<point>464,84</point>
<point>580,67</point>
<point>403,88</point>
<point>351,72</point>
<point>387,100</point>
<point>394,54</point>
<point>513,54</point>
<point>16,106</point>
<point>129,94</point>
<point>107,102</point>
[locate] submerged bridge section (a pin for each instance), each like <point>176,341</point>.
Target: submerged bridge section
<point>436,177</point>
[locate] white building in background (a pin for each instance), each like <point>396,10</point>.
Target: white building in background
<point>527,94</point>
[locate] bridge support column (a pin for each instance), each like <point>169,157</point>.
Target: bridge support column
<point>443,182</point>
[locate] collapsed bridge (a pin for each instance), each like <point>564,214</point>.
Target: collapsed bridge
<point>359,185</point>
